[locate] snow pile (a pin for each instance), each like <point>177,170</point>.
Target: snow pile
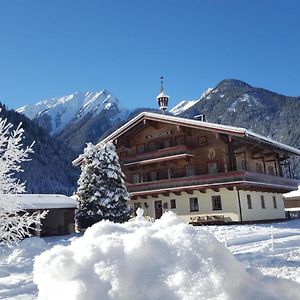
<point>16,264</point>
<point>167,259</point>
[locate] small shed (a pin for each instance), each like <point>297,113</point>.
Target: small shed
<point>292,204</point>
<point>61,212</point>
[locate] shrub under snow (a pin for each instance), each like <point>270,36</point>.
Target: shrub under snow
<point>167,259</point>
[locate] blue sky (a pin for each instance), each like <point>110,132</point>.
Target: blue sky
<point>53,48</point>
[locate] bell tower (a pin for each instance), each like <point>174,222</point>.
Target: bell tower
<point>162,98</point>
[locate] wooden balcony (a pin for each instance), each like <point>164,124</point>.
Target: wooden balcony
<point>244,179</point>
<point>171,153</point>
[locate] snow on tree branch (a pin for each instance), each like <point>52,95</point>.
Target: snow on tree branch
<point>102,194</point>
<point>15,223</point>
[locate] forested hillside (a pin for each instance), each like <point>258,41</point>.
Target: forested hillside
<point>50,169</point>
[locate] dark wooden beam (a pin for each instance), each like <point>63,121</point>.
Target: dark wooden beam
<point>202,191</point>
<point>229,188</point>
<point>187,131</point>
<point>177,193</point>
<point>189,192</point>
<point>155,125</point>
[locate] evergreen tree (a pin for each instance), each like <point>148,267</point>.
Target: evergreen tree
<point>101,192</point>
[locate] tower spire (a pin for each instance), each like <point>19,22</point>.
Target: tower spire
<point>161,84</point>
<point>162,98</point>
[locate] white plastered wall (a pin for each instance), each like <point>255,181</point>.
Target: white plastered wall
<point>259,213</point>
<point>230,205</point>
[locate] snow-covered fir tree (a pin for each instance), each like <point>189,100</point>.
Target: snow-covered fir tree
<point>101,193</point>
<point>15,223</point>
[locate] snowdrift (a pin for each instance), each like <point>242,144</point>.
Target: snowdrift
<point>167,259</point>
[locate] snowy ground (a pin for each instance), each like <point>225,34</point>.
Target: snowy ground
<point>250,244</point>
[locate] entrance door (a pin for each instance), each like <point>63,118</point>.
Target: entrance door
<point>158,209</point>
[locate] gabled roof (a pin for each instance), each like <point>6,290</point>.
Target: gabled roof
<point>230,130</point>
<point>234,131</point>
<point>42,201</point>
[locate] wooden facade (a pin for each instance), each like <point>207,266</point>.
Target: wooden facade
<point>202,171</point>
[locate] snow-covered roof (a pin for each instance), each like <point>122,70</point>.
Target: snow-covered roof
<point>292,209</point>
<point>42,201</point>
<point>239,131</point>
<point>231,130</point>
<point>161,95</point>
<point>292,194</point>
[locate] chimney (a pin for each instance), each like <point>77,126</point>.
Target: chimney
<point>201,118</point>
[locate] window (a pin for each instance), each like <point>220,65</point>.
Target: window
<point>180,140</point>
<point>244,164</point>
<point>259,168</point>
<point>202,140</point>
<point>216,202</point>
<point>271,170</point>
<point>152,146</point>
<point>194,206</point>
<point>167,143</point>
<point>262,202</point>
<point>140,148</point>
<point>136,178</point>
<point>123,154</point>
<point>249,202</point>
<point>190,171</point>
<point>212,167</point>
<point>173,203</point>
<point>153,175</point>
<point>274,202</point>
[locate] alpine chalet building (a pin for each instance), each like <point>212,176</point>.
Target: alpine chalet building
<point>204,172</point>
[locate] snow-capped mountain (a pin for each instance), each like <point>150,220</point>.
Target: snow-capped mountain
<point>57,113</point>
<point>182,106</point>
<point>187,104</point>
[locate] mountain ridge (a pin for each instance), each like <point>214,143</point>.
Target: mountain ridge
<point>230,102</point>
<point>56,113</point>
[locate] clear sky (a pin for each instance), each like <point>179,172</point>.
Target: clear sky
<point>56,47</point>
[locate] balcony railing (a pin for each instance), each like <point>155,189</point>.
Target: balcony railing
<point>181,149</point>
<point>219,178</point>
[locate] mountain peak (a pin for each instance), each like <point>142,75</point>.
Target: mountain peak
<point>56,113</point>
<point>233,83</point>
